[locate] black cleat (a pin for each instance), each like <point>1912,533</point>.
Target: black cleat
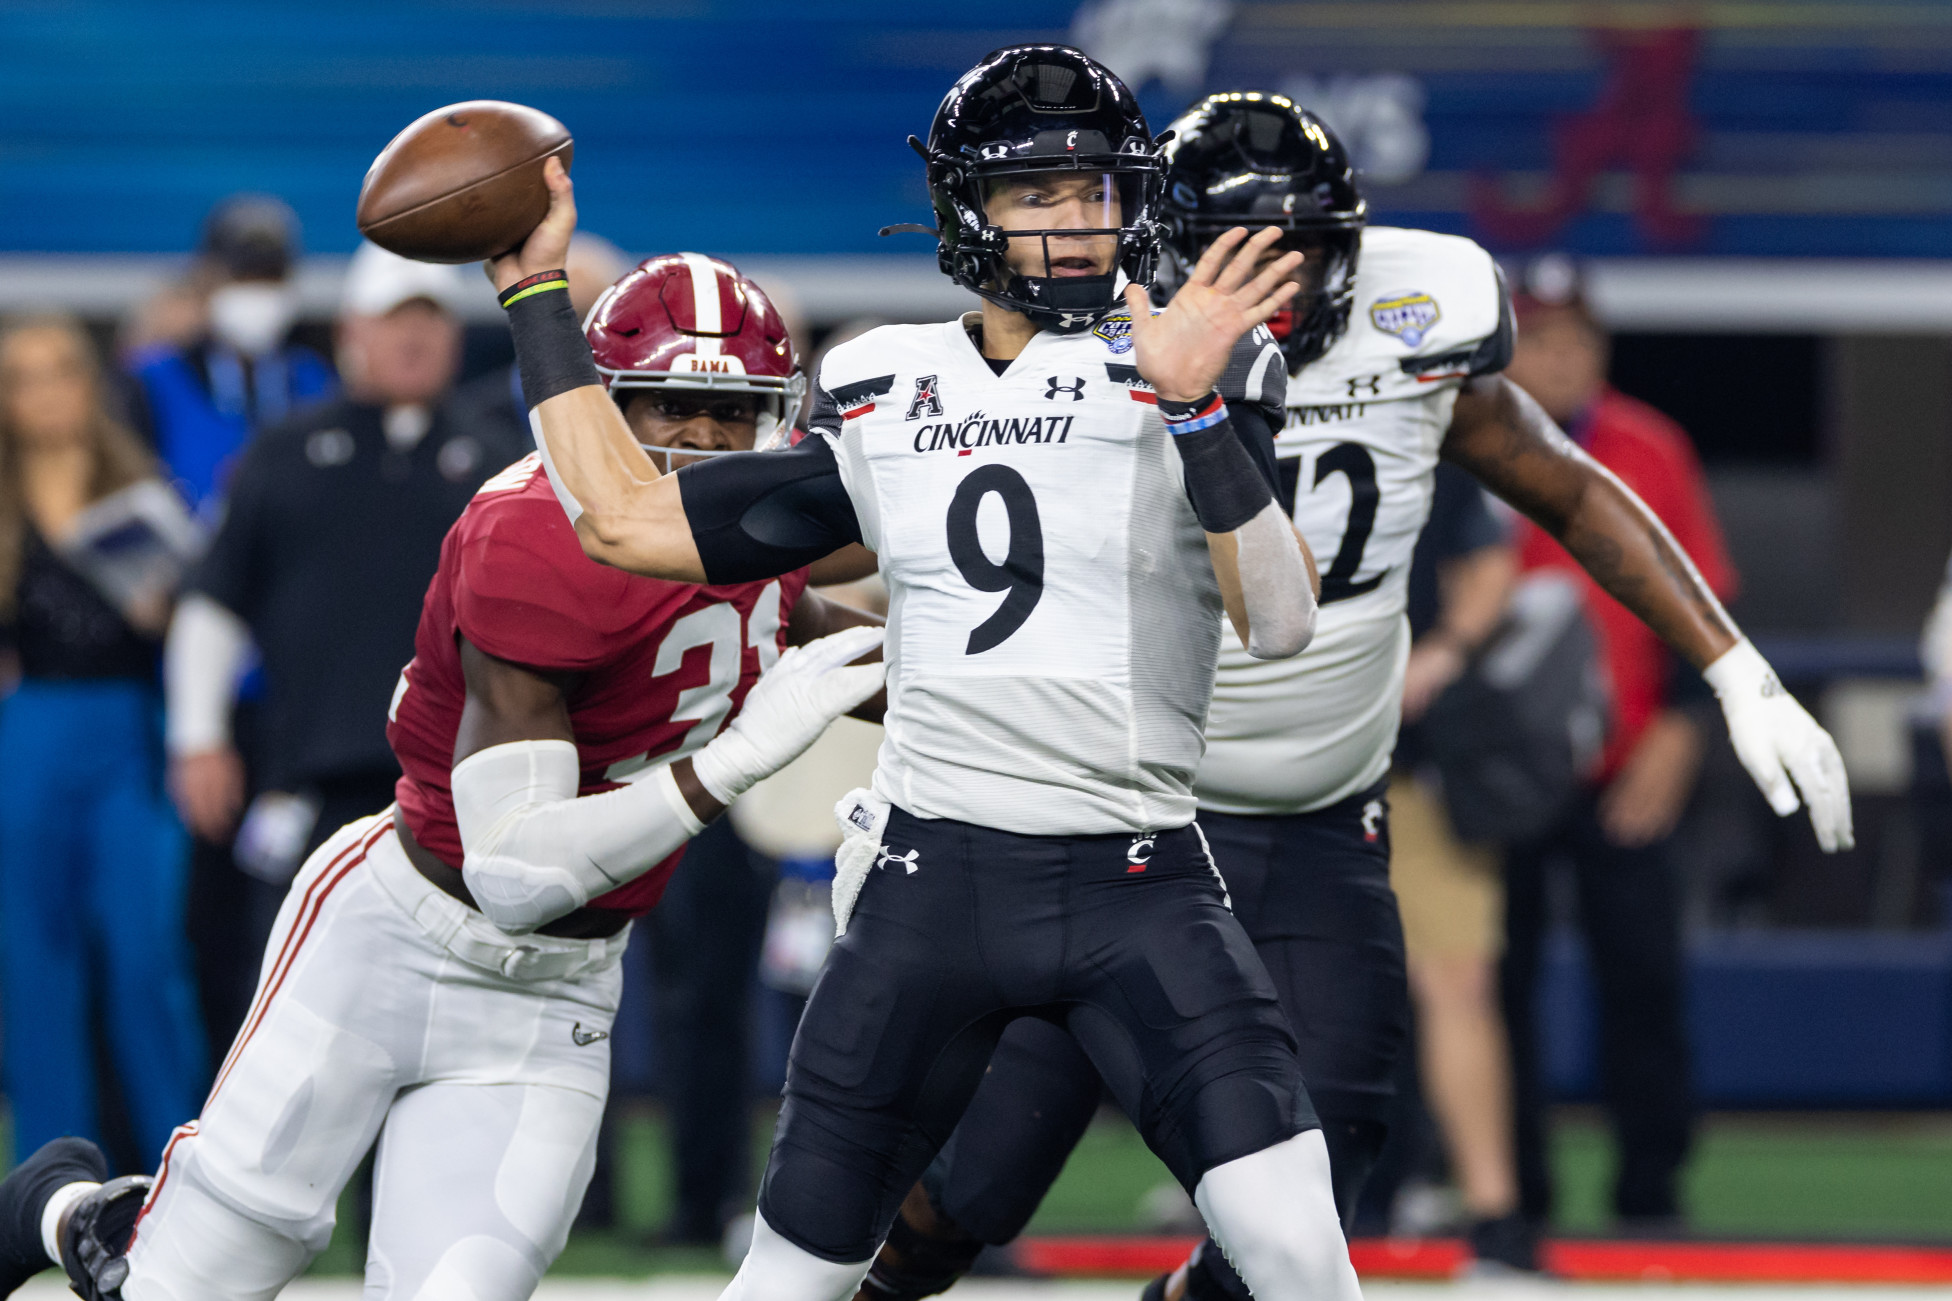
<point>99,1227</point>
<point>1503,1246</point>
<point>24,1195</point>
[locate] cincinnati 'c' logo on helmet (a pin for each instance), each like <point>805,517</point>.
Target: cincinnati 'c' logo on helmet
<point>925,400</point>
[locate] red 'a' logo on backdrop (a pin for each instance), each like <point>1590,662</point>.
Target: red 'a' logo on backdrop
<point>1641,122</point>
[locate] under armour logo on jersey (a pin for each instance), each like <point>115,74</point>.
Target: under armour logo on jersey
<point>926,399</point>
<point>1372,820</point>
<point>1074,390</point>
<point>907,860</point>
<point>584,1038</point>
<point>1370,384</point>
<point>1139,854</point>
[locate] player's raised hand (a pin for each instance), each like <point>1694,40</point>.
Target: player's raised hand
<point>547,247</point>
<point>1182,351</point>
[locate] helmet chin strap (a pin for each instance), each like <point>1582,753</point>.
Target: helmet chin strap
<point>1065,304</point>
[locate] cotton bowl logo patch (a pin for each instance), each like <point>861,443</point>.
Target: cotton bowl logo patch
<point>1116,331</point>
<point>1408,316</point>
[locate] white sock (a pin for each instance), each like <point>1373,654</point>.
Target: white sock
<point>57,1206</point>
<point>776,1270</point>
<point>1273,1214</point>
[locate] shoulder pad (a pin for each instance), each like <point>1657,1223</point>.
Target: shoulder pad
<point>1430,311</point>
<point>866,355</point>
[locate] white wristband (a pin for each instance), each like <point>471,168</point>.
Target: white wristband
<point>667,785</point>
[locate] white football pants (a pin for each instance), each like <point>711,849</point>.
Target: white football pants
<point>385,1007</point>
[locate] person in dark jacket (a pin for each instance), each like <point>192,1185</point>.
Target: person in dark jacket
<point>332,531</point>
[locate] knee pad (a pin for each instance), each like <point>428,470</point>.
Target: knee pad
<point>926,1252</point>
<point>1273,1214</point>
<point>777,1270</point>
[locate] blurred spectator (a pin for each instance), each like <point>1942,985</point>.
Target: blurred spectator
<point>1936,651</point>
<point>92,860</point>
<point>208,365</point>
<point>202,398</point>
<point>1615,836</point>
<point>1449,892</point>
<point>1931,750</point>
<point>332,532</point>
<point>492,403</point>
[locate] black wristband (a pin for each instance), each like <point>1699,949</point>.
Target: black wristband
<point>550,349</point>
<point>1221,481</point>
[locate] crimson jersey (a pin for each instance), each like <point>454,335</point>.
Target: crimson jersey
<point>660,666</point>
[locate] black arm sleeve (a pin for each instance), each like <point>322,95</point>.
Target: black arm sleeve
<point>1255,430</point>
<point>1229,468</point>
<point>761,514</point>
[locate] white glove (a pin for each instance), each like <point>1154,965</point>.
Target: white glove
<point>1777,740</point>
<point>787,710</point>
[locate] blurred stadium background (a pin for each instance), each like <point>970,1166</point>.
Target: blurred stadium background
<point>1762,198</point>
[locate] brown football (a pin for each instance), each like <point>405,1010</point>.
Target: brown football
<point>463,183</point>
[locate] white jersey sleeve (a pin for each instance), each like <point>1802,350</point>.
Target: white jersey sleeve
<point>1053,620</point>
<point>1357,453</point>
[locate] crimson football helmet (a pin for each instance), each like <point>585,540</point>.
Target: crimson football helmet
<point>687,321</point>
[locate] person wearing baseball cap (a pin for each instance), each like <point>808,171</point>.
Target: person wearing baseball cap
<point>1615,835</point>
<point>205,384</point>
<point>331,534</point>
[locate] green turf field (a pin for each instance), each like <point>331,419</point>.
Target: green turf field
<point>1817,1176</point>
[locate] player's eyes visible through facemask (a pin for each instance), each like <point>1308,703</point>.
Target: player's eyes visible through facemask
<point>731,412</point>
<point>1080,203</point>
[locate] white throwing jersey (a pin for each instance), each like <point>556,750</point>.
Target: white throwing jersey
<point>1053,620</point>
<point>1364,424</point>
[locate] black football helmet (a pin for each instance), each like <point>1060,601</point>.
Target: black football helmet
<point>1244,158</point>
<point>1040,108</point>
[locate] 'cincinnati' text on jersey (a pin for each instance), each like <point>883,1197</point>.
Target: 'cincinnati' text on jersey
<point>979,430</point>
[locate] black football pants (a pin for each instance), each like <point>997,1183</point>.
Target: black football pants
<point>1312,892</point>
<point>1123,941</point>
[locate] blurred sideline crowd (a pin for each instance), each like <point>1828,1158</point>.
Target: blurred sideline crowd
<point>214,542</point>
